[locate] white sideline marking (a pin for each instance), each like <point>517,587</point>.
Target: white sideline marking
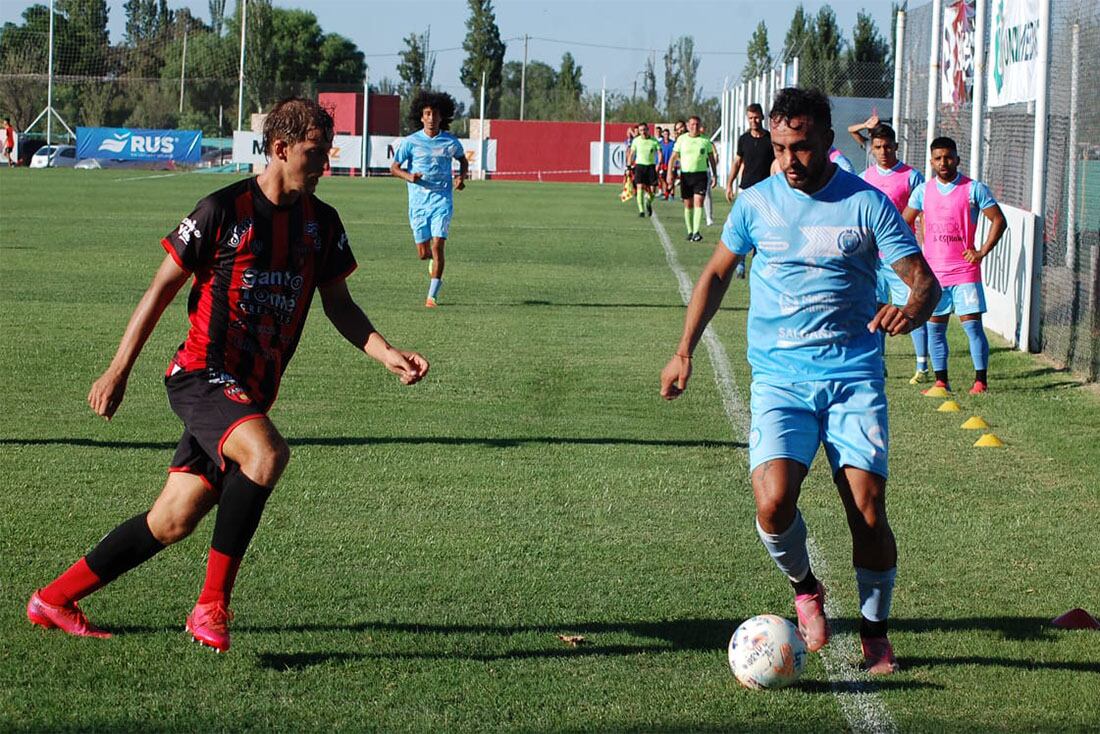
<point>146,178</point>
<point>856,695</point>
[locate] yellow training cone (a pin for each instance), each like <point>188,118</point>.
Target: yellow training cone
<point>936,392</point>
<point>949,406</point>
<point>988,440</point>
<point>974,423</point>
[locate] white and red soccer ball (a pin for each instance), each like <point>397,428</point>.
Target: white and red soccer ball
<point>766,651</point>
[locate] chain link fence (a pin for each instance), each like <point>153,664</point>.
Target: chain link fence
<point>1069,270</point>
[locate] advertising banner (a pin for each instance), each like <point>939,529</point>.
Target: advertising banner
<point>957,63</point>
<point>614,158</point>
<point>1013,52</point>
<point>1007,274</point>
<point>347,151</point>
<point>134,144</point>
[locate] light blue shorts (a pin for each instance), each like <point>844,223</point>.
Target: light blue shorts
<point>963,299</point>
<point>847,417</point>
<point>890,288</point>
<point>429,223</point>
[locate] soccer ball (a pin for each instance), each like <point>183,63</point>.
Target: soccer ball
<point>767,652</point>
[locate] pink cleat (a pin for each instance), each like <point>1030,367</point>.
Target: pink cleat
<point>811,618</point>
<point>878,656</point>
<point>68,618</point>
<point>979,388</point>
<point>430,303</point>
<point>209,625</point>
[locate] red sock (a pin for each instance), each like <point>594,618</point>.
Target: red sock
<point>75,584</point>
<point>221,572</point>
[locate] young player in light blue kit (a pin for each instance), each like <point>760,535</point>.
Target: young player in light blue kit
<point>423,159</point>
<point>816,362</point>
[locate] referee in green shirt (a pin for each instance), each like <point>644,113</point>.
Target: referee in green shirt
<point>695,154</point>
<point>644,153</point>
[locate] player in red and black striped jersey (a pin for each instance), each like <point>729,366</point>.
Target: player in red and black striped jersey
<point>258,250</point>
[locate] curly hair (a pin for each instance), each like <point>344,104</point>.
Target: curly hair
<point>291,120</point>
<point>794,102</point>
<point>441,102</point>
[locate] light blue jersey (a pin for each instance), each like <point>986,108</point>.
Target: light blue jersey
<point>812,284</point>
<point>430,157</point>
<point>980,196</point>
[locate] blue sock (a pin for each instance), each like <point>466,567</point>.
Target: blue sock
<point>876,593</point>
<point>920,346</point>
<point>788,548</point>
<point>937,345</point>
<point>979,345</point>
<point>433,288</point>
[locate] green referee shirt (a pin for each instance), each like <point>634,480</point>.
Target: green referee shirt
<point>645,151</point>
<point>693,152</point>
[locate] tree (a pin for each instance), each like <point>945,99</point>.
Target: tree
<point>649,83</point>
<point>820,64</point>
<point>87,29</point>
<point>341,61</point>
<point>541,83</point>
<point>758,52</point>
<point>867,60</point>
<point>417,63</point>
<point>673,80</point>
<point>217,16</point>
<point>796,35</point>
<point>484,55</point>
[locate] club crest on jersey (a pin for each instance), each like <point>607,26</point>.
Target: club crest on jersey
<point>237,394</point>
<point>188,228</point>
<point>238,233</point>
<point>849,241</point>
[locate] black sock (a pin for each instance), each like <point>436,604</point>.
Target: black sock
<point>941,375</point>
<point>127,546</point>
<point>981,376</point>
<point>239,509</point>
<point>867,628</point>
<point>807,585</point>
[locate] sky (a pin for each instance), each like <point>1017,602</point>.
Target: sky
<point>610,39</point>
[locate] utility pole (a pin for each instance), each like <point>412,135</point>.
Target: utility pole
<point>523,78</point>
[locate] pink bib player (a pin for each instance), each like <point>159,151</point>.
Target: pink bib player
<point>948,233</point>
<point>894,183</point>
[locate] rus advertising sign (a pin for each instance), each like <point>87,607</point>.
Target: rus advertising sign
<point>132,144</point>
<point>957,64</point>
<point>1013,52</point>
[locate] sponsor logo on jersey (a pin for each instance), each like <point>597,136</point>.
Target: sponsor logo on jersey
<point>240,230</point>
<point>849,241</point>
<point>188,228</point>
<point>237,394</point>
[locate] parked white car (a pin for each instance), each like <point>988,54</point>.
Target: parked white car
<point>54,156</point>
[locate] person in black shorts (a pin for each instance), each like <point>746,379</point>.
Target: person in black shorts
<point>695,154</point>
<point>258,250</point>
<point>643,157</point>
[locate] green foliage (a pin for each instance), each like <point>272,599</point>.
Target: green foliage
<point>759,57</point>
<point>417,65</point>
<point>800,28</point>
<point>681,72</point>
<point>869,70</point>
<point>821,64</point>
<point>484,56</point>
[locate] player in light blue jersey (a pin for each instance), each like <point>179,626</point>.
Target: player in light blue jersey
<point>816,364</point>
<point>424,160</point>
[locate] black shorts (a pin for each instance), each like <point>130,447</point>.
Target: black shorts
<point>645,175</point>
<point>693,184</point>
<point>210,405</point>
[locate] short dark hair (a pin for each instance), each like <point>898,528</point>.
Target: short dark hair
<point>696,118</point>
<point>292,118</point>
<point>793,102</point>
<point>944,142</point>
<point>884,131</point>
<point>441,102</point>
<point>755,107</point>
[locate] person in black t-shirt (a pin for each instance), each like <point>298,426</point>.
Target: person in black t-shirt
<point>754,153</point>
<point>258,250</point>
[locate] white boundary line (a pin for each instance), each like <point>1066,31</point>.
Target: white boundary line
<point>858,699</point>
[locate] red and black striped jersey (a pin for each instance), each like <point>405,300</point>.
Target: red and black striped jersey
<point>256,266</point>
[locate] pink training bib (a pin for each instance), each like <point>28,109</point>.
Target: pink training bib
<point>894,183</point>
<point>948,233</point>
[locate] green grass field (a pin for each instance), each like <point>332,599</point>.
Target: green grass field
<point>427,545</point>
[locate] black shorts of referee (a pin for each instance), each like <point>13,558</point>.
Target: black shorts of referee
<point>645,175</point>
<point>693,184</point>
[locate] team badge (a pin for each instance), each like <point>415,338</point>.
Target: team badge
<point>849,241</point>
<point>237,394</point>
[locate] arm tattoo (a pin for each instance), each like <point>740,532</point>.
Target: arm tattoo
<point>924,289</point>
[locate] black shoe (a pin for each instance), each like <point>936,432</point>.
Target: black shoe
<point>690,237</point>
<point>641,214</point>
<point>649,209</point>
<point>696,237</point>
